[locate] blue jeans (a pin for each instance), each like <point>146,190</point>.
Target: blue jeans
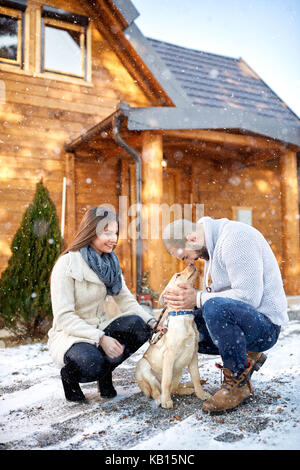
<point>230,328</point>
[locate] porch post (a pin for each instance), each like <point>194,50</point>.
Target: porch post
<point>290,222</point>
<point>70,226</point>
<point>152,192</point>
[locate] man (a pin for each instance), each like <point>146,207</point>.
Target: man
<point>240,314</point>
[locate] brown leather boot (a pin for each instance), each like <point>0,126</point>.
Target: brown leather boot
<point>256,360</point>
<point>234,390</point>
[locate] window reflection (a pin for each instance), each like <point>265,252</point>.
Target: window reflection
<point>63,51</point>
<point>8,37</point>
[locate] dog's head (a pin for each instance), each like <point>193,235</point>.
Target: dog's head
<point>188,275</point>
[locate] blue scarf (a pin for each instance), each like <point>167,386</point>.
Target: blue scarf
<point>106,266</point>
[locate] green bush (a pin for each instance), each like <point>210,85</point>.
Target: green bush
<point>24,286</point>
<point>145,287</point>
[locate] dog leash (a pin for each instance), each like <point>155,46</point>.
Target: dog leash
<point>157,335</point>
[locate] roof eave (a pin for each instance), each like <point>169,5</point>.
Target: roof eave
<point>92,133</point>
<point>127,10</point>
<point>201,117</point>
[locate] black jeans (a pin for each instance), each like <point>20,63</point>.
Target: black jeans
<point>89,363</point>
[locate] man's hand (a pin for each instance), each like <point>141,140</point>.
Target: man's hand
<point>181,297</point>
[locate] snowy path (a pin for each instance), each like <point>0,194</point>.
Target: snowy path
<point>35,415</point>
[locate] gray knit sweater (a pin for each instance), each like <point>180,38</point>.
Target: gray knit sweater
<point>242,266</point>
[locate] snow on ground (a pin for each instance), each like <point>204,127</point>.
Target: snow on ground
<point>35,415</point>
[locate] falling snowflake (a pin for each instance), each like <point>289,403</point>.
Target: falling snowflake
<point>235,180</point>
<point>178,155</point>
<point>213,73</point>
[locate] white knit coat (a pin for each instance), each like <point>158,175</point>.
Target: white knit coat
<point>78,297</point>
<point>242,266</point>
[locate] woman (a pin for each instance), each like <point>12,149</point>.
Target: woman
<point>83,342</point>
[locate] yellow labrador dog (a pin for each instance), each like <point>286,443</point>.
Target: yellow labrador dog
<point>159,371</point>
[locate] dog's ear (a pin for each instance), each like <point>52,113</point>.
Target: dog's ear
<point>196,278</point>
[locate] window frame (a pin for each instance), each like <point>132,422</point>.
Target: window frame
<point>235,210</point>
<point>61,19</point>
<point>15,9</point>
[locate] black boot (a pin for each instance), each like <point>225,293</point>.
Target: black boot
<point>106,387</point>
<point>71,386</point>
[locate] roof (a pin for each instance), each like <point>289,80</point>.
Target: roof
<point>218,81</point>
<point>207,91</point>
<point>156,66</point>
<point>205,117</point>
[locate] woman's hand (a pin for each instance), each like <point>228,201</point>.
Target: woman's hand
<point>111,346</point>
<point>152,323</point>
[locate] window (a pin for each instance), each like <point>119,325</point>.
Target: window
<point>243,214</point>
<point>12,32</point>
<point>63,43</point>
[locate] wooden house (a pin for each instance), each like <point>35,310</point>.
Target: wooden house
<point>107,116</point>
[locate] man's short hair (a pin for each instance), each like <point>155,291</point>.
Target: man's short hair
<point>174,234</point>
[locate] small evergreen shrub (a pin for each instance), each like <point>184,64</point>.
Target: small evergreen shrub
<point>145,287</point>
<point>24,286</point>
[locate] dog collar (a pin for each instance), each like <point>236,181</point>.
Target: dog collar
<point>181,312</point>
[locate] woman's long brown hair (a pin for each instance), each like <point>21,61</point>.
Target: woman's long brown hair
<point>92,224</point>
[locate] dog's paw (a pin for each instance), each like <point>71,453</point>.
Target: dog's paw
<point>167,403</point>
<point>204,395</point>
